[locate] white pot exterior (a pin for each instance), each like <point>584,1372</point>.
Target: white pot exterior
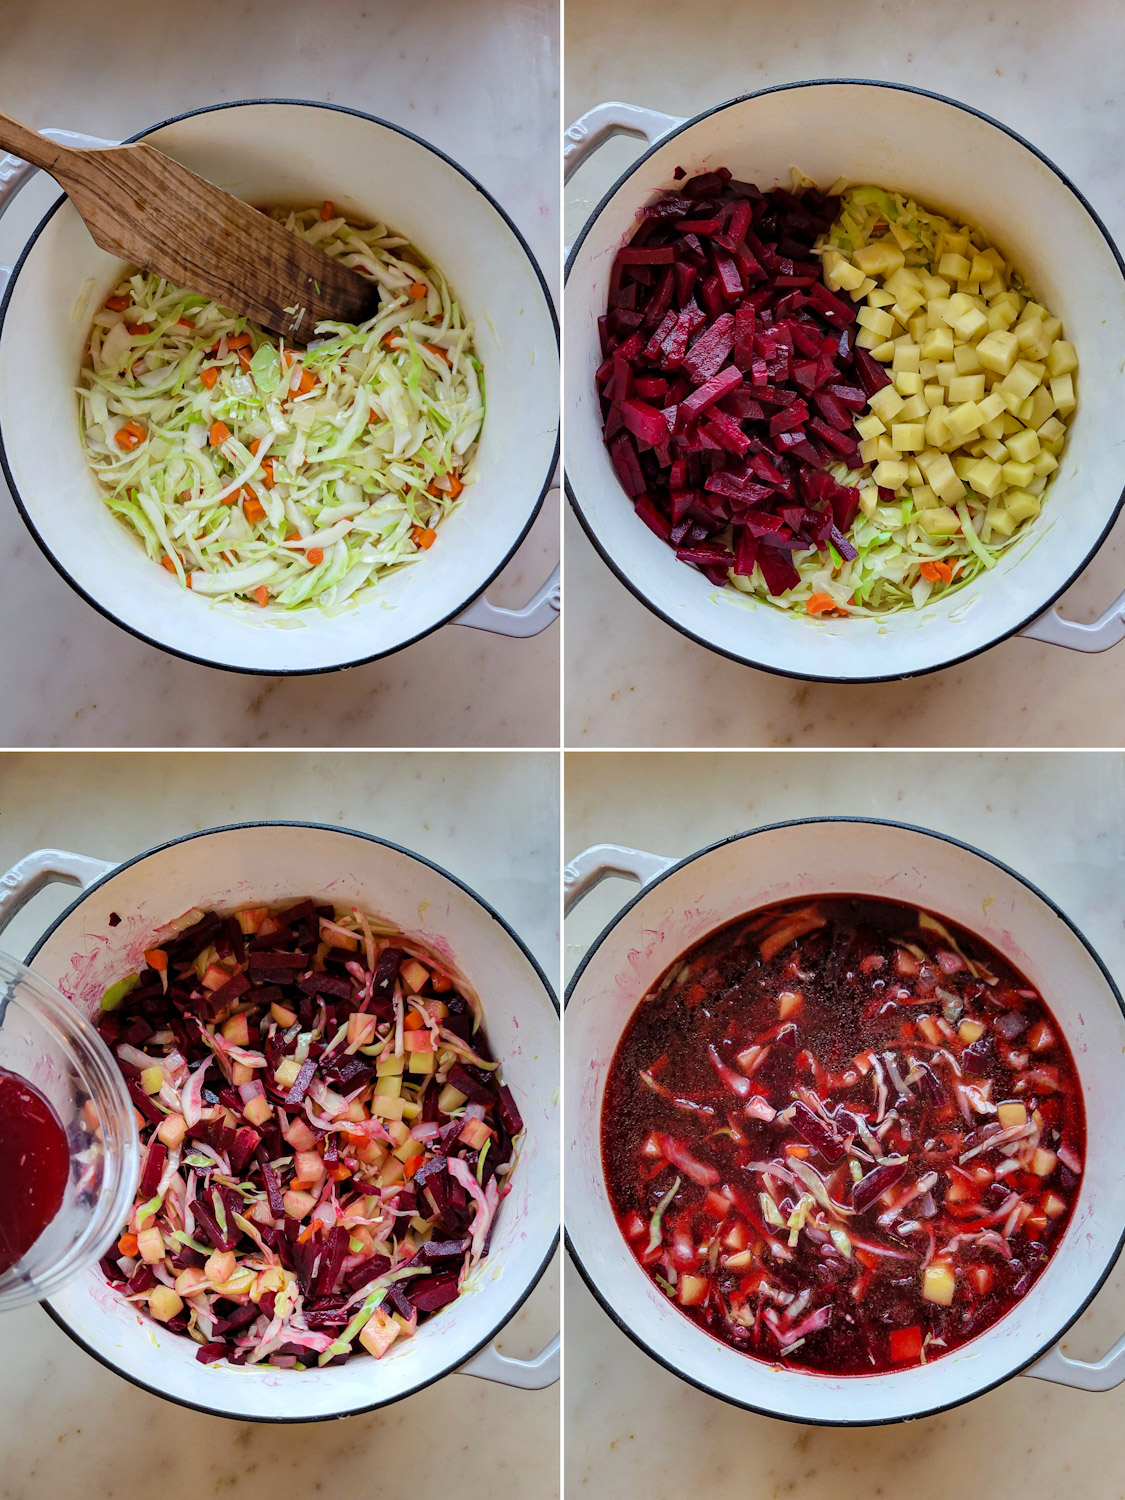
<point>301,154</point>
<point>82,953</point>
<point>901,864</point>
<point>954,160</point>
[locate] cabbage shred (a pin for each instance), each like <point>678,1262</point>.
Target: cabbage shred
<point>254,471</point>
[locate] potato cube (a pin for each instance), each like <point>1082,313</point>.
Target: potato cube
<point>913,409</point>
<point>956,267</point>
<point>869,426</point>
<point>1042,406</point>
<point>903,281</point>
<point>966,388</point>
<point>918,326</point>
<point>1011,1115</point>
<point>1052,431</point>
<point>907,382</point>
<point>164,1302</point>
<point>908,437</point>
<point>865,339</point>
<point>885,449</point>
<point>879,258</point>
<point>691,1290</point>
<point>940,521</point>
<point>924,497</point>
<point>972,324</point>
<point>868,499</point>
<point>880,297</point>
<point>378,1333</point>
<point>1045,463</point>
<point>907,357</point>
<point>883,352</point>
<point>938,1283</point>
<point>845,276</point>
<point>1053,1205</point>
<point>1061,358</point>
<point>878,321</point>
<point>867,450</point>
<point>981,269</point>
<point>890,474</point>
<point>965,358</point>
<point>970,1031</point>
<point>933,394</point>
<point>999,520</point>
<point>1021,505</point>
<point>936,431</point>
<point>995,450</point>
<point>1024,445</point>
<point>1043,1162</point>
<point>943,478</point>
<point>150,1246</point>
<point>963,420</point>
<point>938,343</point>
<point>997,351</point>
<point>947,371</point>
<point>1062,389</point>
<point>1017,475</point>
<point>992,406</point>
<point>1018,384</point>
<point>886,404</point>
<point>985,477</point>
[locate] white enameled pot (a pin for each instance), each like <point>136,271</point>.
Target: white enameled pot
<point>956,160</point>
<point>682,901</point>
<point>82,953</point>
<point>289,152</point>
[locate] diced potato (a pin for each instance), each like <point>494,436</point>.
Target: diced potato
<point>880,258</point>
<point>878,297</point>
<point>1061,359</point>
<point>150,1246</point>
<point>966,388</point>
<point>938,344</point>
<point>970,1031</point>
<point>691,1290</point>
<point>1045,463</point>
<point>985,477</point>
<point>1043,1162</point>
<point>1017,475</point>
<point>963,420</point>
<point>1052,431</point>
<point>965,358</point>
<point>938,1283</point>
<point>942,477</point>
<point>164,1302</point>
<point>389,1087</point>
<point>152,1079</point>
<point>998,519</point>
<point>940,521</point>
<point>886,404</point>
<point>1062,389</point>
<point>870,426</point>
<point>1021,505</point>
<point>1020,381</point>
<point>378,1333</point>
<point>286,1072</point>
<point>924,497</point>
<point>970,325</point>
<point>890,474</point>
<point>995,450</point>
<point>1024,446</point>
<point>997,351</point>
<point>1011,1115</point>
<point>878,321</point>
<point>885,450</point>
<point>956,267</point>
<point>908,437</point>
<point>982,268</point>
<point>1053,1205</point>
<point>883,352</point>
<point>907,357</point>
<point>298,1204</point>
<point>907,383</point>
<point>387,1108</point>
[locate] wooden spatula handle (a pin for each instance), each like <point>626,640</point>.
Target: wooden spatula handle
<point>30,145</point>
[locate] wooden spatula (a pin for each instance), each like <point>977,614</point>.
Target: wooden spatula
<point>140,204</point>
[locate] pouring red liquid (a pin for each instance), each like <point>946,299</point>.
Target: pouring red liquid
<point>34,1166</point>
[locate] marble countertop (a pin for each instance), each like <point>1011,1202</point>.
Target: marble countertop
<point>1049,72</point>
<point>1058,819</point>
<point>71,1430</point>
<point>479,81</point>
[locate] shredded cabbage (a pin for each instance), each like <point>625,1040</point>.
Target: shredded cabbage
<point>257,472</point>
<point>892,546</point>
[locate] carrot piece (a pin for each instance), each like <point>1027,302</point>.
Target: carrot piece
<point>157,959</point>
<point>418,290</point>
<point>209,377</point>
<point>412,1022</point>
<point>119,304</point>
<point>439,353</point>
<point>184,323</point>
<point>315,556</point>
<point>244,359</point>
<point>239,341</point>
<point>306,383</point>
<point>137,329</point>
<point>253,509</point>
<point>327,210</point>
<point>823,604</point>
<point>439,983</point>
<point>306,1234</point>
<point>166,562</point>
<point>423,537</point>
<point>267,473</point>
<point>299,1185</point>
<point>340,1173</point>
<point>130,436</point>
<point>254,444</point>
<point>127,1244</point>
<point>455,485</point>
<point>389,340</point>
<point>262,594</point>
<point>794,1150</point>
<point>292,536</point>
<point>936,569</point>
<point>411,1165</point>
<point>219,434</point>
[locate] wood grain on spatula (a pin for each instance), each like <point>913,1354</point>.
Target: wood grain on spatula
<point>140,204</point>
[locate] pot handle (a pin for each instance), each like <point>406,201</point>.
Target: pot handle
<point>593,865</point>
<point>43,867</point>
<point>525,1374</point>
<point>1106,631</point>
<point>1082,1375</point>
<point>596,126</point>
<point>541,610</point>
<point>15,172</point>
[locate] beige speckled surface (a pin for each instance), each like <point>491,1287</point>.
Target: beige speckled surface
<point>70,1430</point>
<point>1050,72</point>
<point>1059,819</point>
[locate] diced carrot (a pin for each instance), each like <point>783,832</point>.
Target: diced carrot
<point>327,210</point>
<point>315,556</point>
<point>376,415</point>
<point>411,1165</point>
<point>209,377</point>
<point>292,536</point>
<point>130,436</point>
<point>166,562</point>
<point>254,444</point>
<point>455,486</point>
<point>138,329</point>
<point>127,1244</point>
<point>823,604</point>
<point>267,473</point>
<point>184,323</point>
<point>157,959</point>
<point>306,383</point>
<point>439,353</point>
<point>301,1185</point>
<point>239,341</point>
<point>262,594</point>
<point>412,1021</point>
<point>423,537</point>
<point>418,290</point>
<point>244,358</point>
<point>306,1234</point>
<point>439,983</point>
<point>340,1173</point>
<point>253,509</point>
<point>936,569</point>
<point>219,434</point>
<point>792,1149</point>
<point>389,340</point>
<point>119,304</point>
<point>288,358</point>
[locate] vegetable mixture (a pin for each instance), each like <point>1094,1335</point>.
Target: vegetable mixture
<point>257,472</point>
<point>830,458</point>
<point>843,1136</point>
<point>325,1135</point>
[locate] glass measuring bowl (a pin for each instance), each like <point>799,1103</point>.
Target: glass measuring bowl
<point>46,1040</point>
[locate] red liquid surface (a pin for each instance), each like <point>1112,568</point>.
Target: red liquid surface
<point>34,1166</point>
<point>800,1051</point>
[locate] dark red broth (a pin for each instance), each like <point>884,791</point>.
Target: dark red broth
<point>34,1166</point>
<point>843,1136</point>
